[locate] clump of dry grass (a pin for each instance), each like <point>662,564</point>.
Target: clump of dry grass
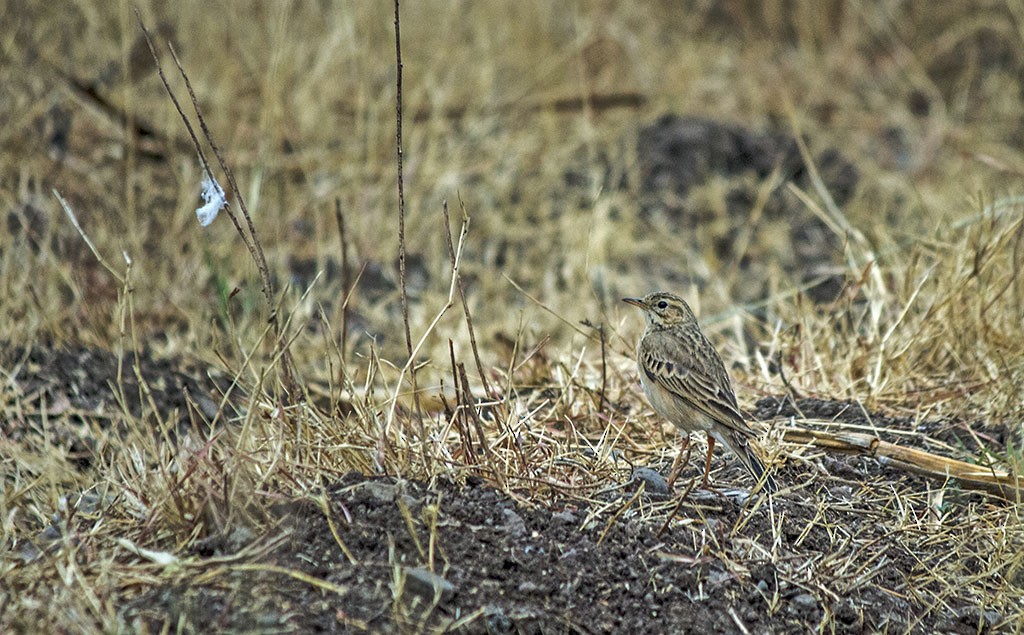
<point>928,325</point>
<point>927,328</point>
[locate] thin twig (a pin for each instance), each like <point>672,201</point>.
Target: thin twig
<point>85,237</point>
<point>679,504</point>
<point>250,237</point>
<point>457,417</point>
<point>474,413</point>
<point>793,392</point>
<point>975,476</point>
<point>346,274</point>
<point>401,233</point>
<point>604,371</point>
<point>465,304</point>
<point>401,185</point>
<point>407,369</point>
<point>620,511</point>
<point>548,309</point>
<point>287,365</point>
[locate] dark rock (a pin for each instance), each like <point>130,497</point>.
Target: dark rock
<point>428,585</point>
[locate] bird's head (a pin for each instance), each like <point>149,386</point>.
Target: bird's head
<point>664,309</point>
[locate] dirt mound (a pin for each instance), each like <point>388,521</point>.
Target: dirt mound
<point>471,559</point>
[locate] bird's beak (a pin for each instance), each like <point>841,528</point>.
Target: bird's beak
<point>635,302</point>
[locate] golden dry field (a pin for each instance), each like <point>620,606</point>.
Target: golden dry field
<point>340,409</point>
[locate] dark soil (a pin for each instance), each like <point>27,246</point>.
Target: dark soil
<point>503,567</point>
<point>93,386</point>
<point>412,557</point>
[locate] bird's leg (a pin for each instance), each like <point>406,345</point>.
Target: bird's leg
<point>707,461</point>
<point>673,473</point>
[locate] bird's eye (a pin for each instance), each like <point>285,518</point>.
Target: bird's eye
<point>663,305</point>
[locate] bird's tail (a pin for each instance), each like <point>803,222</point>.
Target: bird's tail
<point>740,445</point>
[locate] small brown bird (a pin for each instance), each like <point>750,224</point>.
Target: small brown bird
<point>686,381</point>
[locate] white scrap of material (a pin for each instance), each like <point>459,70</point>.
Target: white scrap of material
<point>213,199</point>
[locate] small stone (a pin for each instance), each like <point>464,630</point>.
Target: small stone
<point>565,517</point>
<point>737,496</point>
<point>805,602</point>
<point>653,481</point>
<point>51,533</point>
<point>240,537</point>
<point>514,523</point>
<point>497,622</point>
<point>718,577</point>
<point>975,617</point>
<point>29,552</point>
<point>269,619</point>
<point>991,617</point>
<point>842,493</point>
<point>89,503</point>
<point>570,554</point>
<point>428,585</point>
<point>381,490</point>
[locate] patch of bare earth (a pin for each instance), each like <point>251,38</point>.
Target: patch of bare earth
<point>410,557</point>
<point>848,543</point>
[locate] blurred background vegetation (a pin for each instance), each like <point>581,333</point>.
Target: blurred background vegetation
<point>835,187</point>
<point>546,123</point>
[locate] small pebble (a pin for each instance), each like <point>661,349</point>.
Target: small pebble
<point>497,622</point>
<point>565,517</point>
<point>805,601</point>
<point>514,523</point>
<point>654,482</point>
<point>381,490</point>
<point>428,584</point>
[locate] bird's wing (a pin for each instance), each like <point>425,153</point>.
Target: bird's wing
<point>697,377</point>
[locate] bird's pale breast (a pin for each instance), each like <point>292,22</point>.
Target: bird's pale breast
<point>673,408</point>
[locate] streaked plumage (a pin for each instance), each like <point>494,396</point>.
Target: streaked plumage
<point>686,382</point>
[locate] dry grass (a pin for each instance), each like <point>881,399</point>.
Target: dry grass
<point>300,97</point>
